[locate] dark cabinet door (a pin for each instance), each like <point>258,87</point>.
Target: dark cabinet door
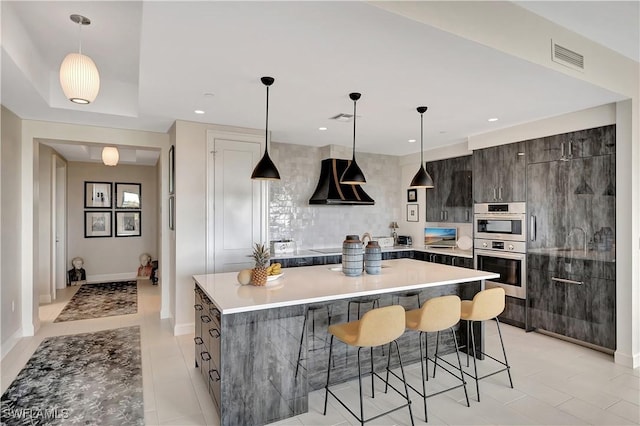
<point>512,172</point>
<point>485,170</point>
<point>450,200</point>
<point>434,195</point>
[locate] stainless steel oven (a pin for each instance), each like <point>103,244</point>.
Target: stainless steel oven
<point>507,258</point>
<point>505,221</point>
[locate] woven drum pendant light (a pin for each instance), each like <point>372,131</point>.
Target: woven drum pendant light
<point>265,169</point>
<point>79,75</point>
<point>422,178</point>
<point>353,174</point>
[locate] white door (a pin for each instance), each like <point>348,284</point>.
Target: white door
<point>236,205</point>
<point>58,225</point>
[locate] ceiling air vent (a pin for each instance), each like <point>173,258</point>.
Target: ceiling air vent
<point>345,118</point>
<point>567,57</point>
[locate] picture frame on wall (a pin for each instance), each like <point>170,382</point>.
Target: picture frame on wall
<point>172,170</point>
<point>172,213</point>
<point>97,195</point>
<point>97,224</point>
<point>128,224</point>
<point>128,195</point>
<point>412,195</point>
<point>412,212</point>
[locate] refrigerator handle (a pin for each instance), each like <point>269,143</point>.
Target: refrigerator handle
<point>533,227</point>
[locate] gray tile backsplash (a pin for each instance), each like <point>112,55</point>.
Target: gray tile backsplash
<point>291,216</point>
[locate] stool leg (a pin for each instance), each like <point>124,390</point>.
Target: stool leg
<point>304,327</point>
<point>386,387</point>
<point>464,383</point>
<point>326,388</point>
<point>504,352</point>
<point>422,370</point>
<point>467,347</point>
<point>360,389</point>
<point>372,391</point>
<point>475,367</point>
<point>435,356</point>
<point>404,381</point>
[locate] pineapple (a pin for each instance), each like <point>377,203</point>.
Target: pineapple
<point>261,257</point>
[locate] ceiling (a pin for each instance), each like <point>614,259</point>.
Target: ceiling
<point>160,61</point>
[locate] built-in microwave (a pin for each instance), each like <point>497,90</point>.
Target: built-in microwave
<point>505,221</point>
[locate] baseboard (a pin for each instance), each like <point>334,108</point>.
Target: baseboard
<point>631,361</point>
<point>105,278</point>
<point>45,298</point>
<point>11,343</point>
<point>180,329</point>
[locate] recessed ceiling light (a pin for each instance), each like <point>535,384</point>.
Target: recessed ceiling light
<point>199,111</point>
<point>492,119</point>
<point>322,128</point>
<point>208,94</point>
<point>442,132</point>
<point>412,140</point>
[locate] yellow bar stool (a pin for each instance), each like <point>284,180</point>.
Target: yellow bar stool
<point>486,305</point>
<point>377,327</point>
<point>436,315</point>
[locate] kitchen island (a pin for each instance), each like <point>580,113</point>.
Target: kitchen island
<point>261,358</point>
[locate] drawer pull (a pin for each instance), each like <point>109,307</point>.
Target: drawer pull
<point>563,280</point>
<point>197,307</point>
<point>205,356</point>
<point>205,318</point>
<point>198,340</point>
<point>213,331</point>
<point>216,379</point>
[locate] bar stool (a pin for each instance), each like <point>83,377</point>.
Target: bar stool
<point>313,309</point>
<point>436,315</point>
<point>375,303</point>
<point>486,305</point>
<point>377,327</point>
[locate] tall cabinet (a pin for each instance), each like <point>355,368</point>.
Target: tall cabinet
<point>450,198</point>
<point>571,248</point>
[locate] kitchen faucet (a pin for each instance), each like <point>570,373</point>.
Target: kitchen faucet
<point>584,237</point>
<point>365,235</point>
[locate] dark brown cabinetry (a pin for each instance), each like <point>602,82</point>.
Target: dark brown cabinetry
<point>207,344</point>
<point>499,173</point>
<point>450,200</point>
<point>445,259</point>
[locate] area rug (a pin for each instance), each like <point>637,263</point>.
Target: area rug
<point>88,379</point>
<point>101,300</point>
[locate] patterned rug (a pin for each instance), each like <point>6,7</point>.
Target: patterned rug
<point>101,300</point>
<point>88,379</point>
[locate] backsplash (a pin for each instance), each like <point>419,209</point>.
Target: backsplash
<point>318,226</point>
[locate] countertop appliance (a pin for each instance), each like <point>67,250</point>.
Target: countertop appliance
<point>282,246</point>
<point>384,241</point>
<point>500,245</point>
<point>404,240</point>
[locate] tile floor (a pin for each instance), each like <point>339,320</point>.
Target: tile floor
<point>556,383</point>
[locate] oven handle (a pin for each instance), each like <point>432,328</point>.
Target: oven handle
<point>534,228</point>
<point>566,281</point>
<point>502,254</point>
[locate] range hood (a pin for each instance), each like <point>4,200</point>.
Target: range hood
<point>330,191</point>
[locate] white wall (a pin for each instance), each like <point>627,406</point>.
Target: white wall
<point>10,247</point>
<point>111,258</point>
<point>44,225</point>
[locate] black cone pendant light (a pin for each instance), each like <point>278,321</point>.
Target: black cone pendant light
<point>422,178</point>
<point>265,169</point>
<point>353,175</point>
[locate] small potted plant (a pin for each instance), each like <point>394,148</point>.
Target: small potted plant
<point>261,257</point>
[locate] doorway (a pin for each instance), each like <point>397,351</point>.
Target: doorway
<point>58,224</point>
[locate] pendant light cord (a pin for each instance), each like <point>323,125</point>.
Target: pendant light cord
<point>266,126</point>
<point>421,140</point>
<point>80,37</point>
<point>354,130</point>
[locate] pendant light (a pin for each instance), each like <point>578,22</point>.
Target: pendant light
<point>422,178</point>
<point>353,175</point>
<point>265,169</point>
<point>110,156</point>
<point>79,76</point>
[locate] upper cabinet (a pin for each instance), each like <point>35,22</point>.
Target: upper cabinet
<point>450,198</point>
<point>499,173</point>
<point>572,145</point>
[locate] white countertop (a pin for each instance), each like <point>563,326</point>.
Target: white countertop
<point>313,284</point>
<point>453,251</point>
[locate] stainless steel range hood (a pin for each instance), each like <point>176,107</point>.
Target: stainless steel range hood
<point>331,192</point>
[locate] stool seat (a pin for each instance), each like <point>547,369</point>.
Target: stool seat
<point>377,327</point>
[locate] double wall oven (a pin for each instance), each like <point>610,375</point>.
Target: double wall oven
<point>500,245</point>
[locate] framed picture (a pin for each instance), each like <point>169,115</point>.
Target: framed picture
<point>97,195</point>
<point>172,213</point>
<point>412,212</point>
<point>412,195</point>
<point>97,224</point>
<point>128,195</point>
<point>128,224</point>
<point>172,170</point>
